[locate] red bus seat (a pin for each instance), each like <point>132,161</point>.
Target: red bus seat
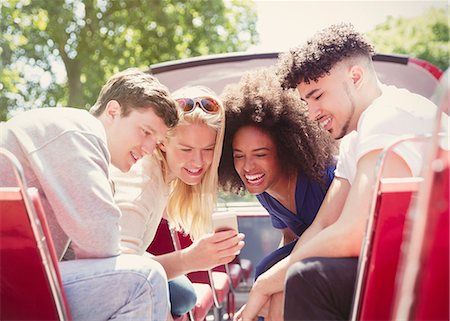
<point>383,259</point>
<point>220,281</point>
<point>234,272</point>
<point>432,298</point>
<point>246,266</point>
<point>423,276</point>
<point>204,301</point>
<point>381,250</point>
<point>31,287</point>
<point>423,290</point>
<point>164,243</point>
<point>419,287</point>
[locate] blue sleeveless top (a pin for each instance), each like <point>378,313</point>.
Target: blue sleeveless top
<point>308,198</point>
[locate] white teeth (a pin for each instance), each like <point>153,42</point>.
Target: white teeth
<point>254,177</point>
<point>325,122</point>
<point>194,171</point>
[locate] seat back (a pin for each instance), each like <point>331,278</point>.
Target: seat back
<point>383,257</point>
<point>166,241</point>
<point>414,255</point>
<point>220,281</point>
<point>380,252</point>
<point>432,282</point>
<point>162,242</point>
<point>423,291</point>
<point>30,282</point>
<point>423,287</point>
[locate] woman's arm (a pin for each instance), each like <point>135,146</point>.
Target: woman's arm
<point>207,252</point>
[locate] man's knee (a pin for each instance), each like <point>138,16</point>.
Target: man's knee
<point>153,272</point>
<point>146,272</point>
<point>302,272</point>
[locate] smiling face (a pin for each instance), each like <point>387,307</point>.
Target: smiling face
<point>133,136</point>
<point>331,101</point>
<point>255,159</point>
<point>190,151</point>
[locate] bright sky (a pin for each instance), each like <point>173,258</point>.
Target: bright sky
<point>285,24</point>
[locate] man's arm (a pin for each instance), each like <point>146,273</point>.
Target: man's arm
<point>330,210</point>
<point>340,239</point>
<point>344,237</point>
<point>328,213</point>
<point>73,171</point>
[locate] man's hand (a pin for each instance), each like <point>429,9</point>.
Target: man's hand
<point>276,307</point>
<point>272,310</point>
<point>254,306</point>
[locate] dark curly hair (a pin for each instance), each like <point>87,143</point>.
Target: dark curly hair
<point>260,101</point>
<point>320,54</point>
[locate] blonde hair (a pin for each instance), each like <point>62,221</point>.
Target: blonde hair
<point>189,207</point>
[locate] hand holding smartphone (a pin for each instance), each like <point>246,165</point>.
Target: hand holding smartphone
<point>224,221</point>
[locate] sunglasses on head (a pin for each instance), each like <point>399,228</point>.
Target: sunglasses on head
<point>208,104</point>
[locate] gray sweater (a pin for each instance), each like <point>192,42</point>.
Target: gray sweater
<point>64,155</point>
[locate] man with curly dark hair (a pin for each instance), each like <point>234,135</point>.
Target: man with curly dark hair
<point>335,77</point>
<point>274,151</point>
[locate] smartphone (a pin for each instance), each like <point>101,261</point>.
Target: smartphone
<point>224,221</point>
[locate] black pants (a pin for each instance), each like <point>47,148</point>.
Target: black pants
<point>320,288</point>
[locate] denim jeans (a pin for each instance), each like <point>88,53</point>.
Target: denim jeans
<point>125,287</point>
<point>182,295</point>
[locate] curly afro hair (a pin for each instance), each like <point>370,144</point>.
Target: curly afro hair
<point>321,53</point>
<point>259,100</point>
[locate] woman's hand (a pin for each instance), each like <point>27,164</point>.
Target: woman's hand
<point>213,249</point>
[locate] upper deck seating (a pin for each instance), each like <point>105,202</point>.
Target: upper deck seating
<point>384,255</point>
<point>31,287</point>
<point>222,278</point>
<point>380,254</point>
<point>404,263</point>
<point>431,298</point>
<point>423,282</point>
<point>164,243</point>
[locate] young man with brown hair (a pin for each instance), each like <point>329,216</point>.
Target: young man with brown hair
<point>66,154</point>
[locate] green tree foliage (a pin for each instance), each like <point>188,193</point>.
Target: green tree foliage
<point>425,37</point>
<point>60,52</point>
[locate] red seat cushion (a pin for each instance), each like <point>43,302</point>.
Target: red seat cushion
<point>236,273</point>
<point>204,300</point>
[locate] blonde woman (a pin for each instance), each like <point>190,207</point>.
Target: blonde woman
<point>180,180</point>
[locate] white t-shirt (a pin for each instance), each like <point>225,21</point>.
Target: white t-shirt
<point>141,195</point>
<point>397,112</point>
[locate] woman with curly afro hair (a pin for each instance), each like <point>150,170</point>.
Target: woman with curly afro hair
<point>275,152</point>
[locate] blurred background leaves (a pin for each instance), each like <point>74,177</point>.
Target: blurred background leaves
<point>60,52</point>
<point>425,37</point>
